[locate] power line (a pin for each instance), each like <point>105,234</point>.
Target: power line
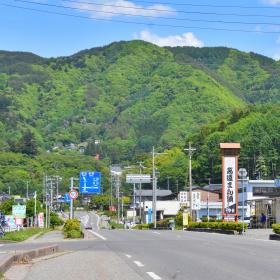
<point>154,17</point>
<point>140,23</point>
<point>169,11</point>
<point>206,5</point>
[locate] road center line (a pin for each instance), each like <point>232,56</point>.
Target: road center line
<point>98,235</point>
<point>153,275</point>
<point>155,232</point>
<point>138,263</point>
<point>128,256</point>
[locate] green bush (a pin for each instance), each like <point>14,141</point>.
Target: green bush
<point>72,229</point>
<point>55,221</point>
<point>142,226</point>
<point>163,223</point>
<point>276,228</point>
<point>74,234</point>
<point>218,225</point>
<point>179,219</point>
<point>110,213</point>
<point>114,225</point>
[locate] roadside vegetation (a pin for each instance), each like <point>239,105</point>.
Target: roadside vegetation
<point>23,234</point>
<point>218,226</point>
<point>276,228</point>
<point>72,229</point>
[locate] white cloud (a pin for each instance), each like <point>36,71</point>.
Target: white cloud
<point>186,39</point>
<point>271,2</point>
<point>111,8</point>
<point>276,56</point>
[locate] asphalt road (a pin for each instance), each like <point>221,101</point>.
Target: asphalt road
<point>133,254</point>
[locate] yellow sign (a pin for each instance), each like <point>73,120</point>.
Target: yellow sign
<point>185,219</point>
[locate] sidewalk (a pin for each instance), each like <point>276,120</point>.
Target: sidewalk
<point>52,236</point>
<point>258,233</point>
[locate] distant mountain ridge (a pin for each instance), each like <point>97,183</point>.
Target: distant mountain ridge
<point>129,95</point>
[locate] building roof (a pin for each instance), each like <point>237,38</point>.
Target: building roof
<point>150,192</point>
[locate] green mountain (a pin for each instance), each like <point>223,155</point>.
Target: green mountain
<point>129,95</point>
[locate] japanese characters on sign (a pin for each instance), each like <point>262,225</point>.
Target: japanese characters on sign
<point>90,182</point>
<point>183,197</point>
<point>229,186</point>
<point>196,201</point>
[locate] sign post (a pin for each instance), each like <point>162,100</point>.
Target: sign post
<point>137,179</point>
<point>73,194</point>
<point>230,154</point>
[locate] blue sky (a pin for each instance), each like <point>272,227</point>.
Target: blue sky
<point>49,34</point>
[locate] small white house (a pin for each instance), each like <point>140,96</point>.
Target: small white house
<point>165,209</point>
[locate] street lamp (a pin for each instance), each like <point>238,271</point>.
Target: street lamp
<point>242,173</point>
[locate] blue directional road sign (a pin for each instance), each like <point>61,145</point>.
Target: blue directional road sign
<point>90,182</point>
<point>67,198</point>
<point>150,215</point>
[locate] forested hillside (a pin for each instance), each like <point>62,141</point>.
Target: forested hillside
<point>132,95</point>
<point>129,95</point>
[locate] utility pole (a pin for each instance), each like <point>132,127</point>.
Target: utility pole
<point>154,192</point>
<point>118,197</point>
<point>140,192</point>
<point>134,204</point>
<point>111,190</point>
<point>71,200</point>
<point>190,151</point>
<point>35,204</point>
<point>46,200</point>
<point>51,207</point>
<point>27,182</point>
<point>208,217</point>
<point>168,182</point>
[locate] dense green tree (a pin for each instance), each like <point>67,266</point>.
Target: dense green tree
<point>28,144</point>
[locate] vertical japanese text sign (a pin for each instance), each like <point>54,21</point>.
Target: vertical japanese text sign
<point>230,153</point>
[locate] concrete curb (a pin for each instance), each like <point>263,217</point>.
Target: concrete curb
<point>230,232</point>
<point>25,256</point>
<point>274,237</point>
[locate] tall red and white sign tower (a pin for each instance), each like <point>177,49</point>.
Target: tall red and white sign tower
<point>230,154</point>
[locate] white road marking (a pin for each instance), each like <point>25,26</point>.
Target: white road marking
<point>153,275</point>
<point>1,245</point>
<point>98,235</point>
<point>98,219</point>
<point>155,232</point>
<point>128,256</point>
<point>138,263</point>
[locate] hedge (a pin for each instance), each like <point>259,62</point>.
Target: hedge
<point>218,225</point>
<point>276,228</point>
<point>72,229</point>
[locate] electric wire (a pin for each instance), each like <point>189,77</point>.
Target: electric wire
<point>169,10</point>
<point>147,16</point>
<point>205,5</point>
<point>140,23</point>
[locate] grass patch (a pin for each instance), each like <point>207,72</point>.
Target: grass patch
<point>114,225</point>
<point>23,234</point>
